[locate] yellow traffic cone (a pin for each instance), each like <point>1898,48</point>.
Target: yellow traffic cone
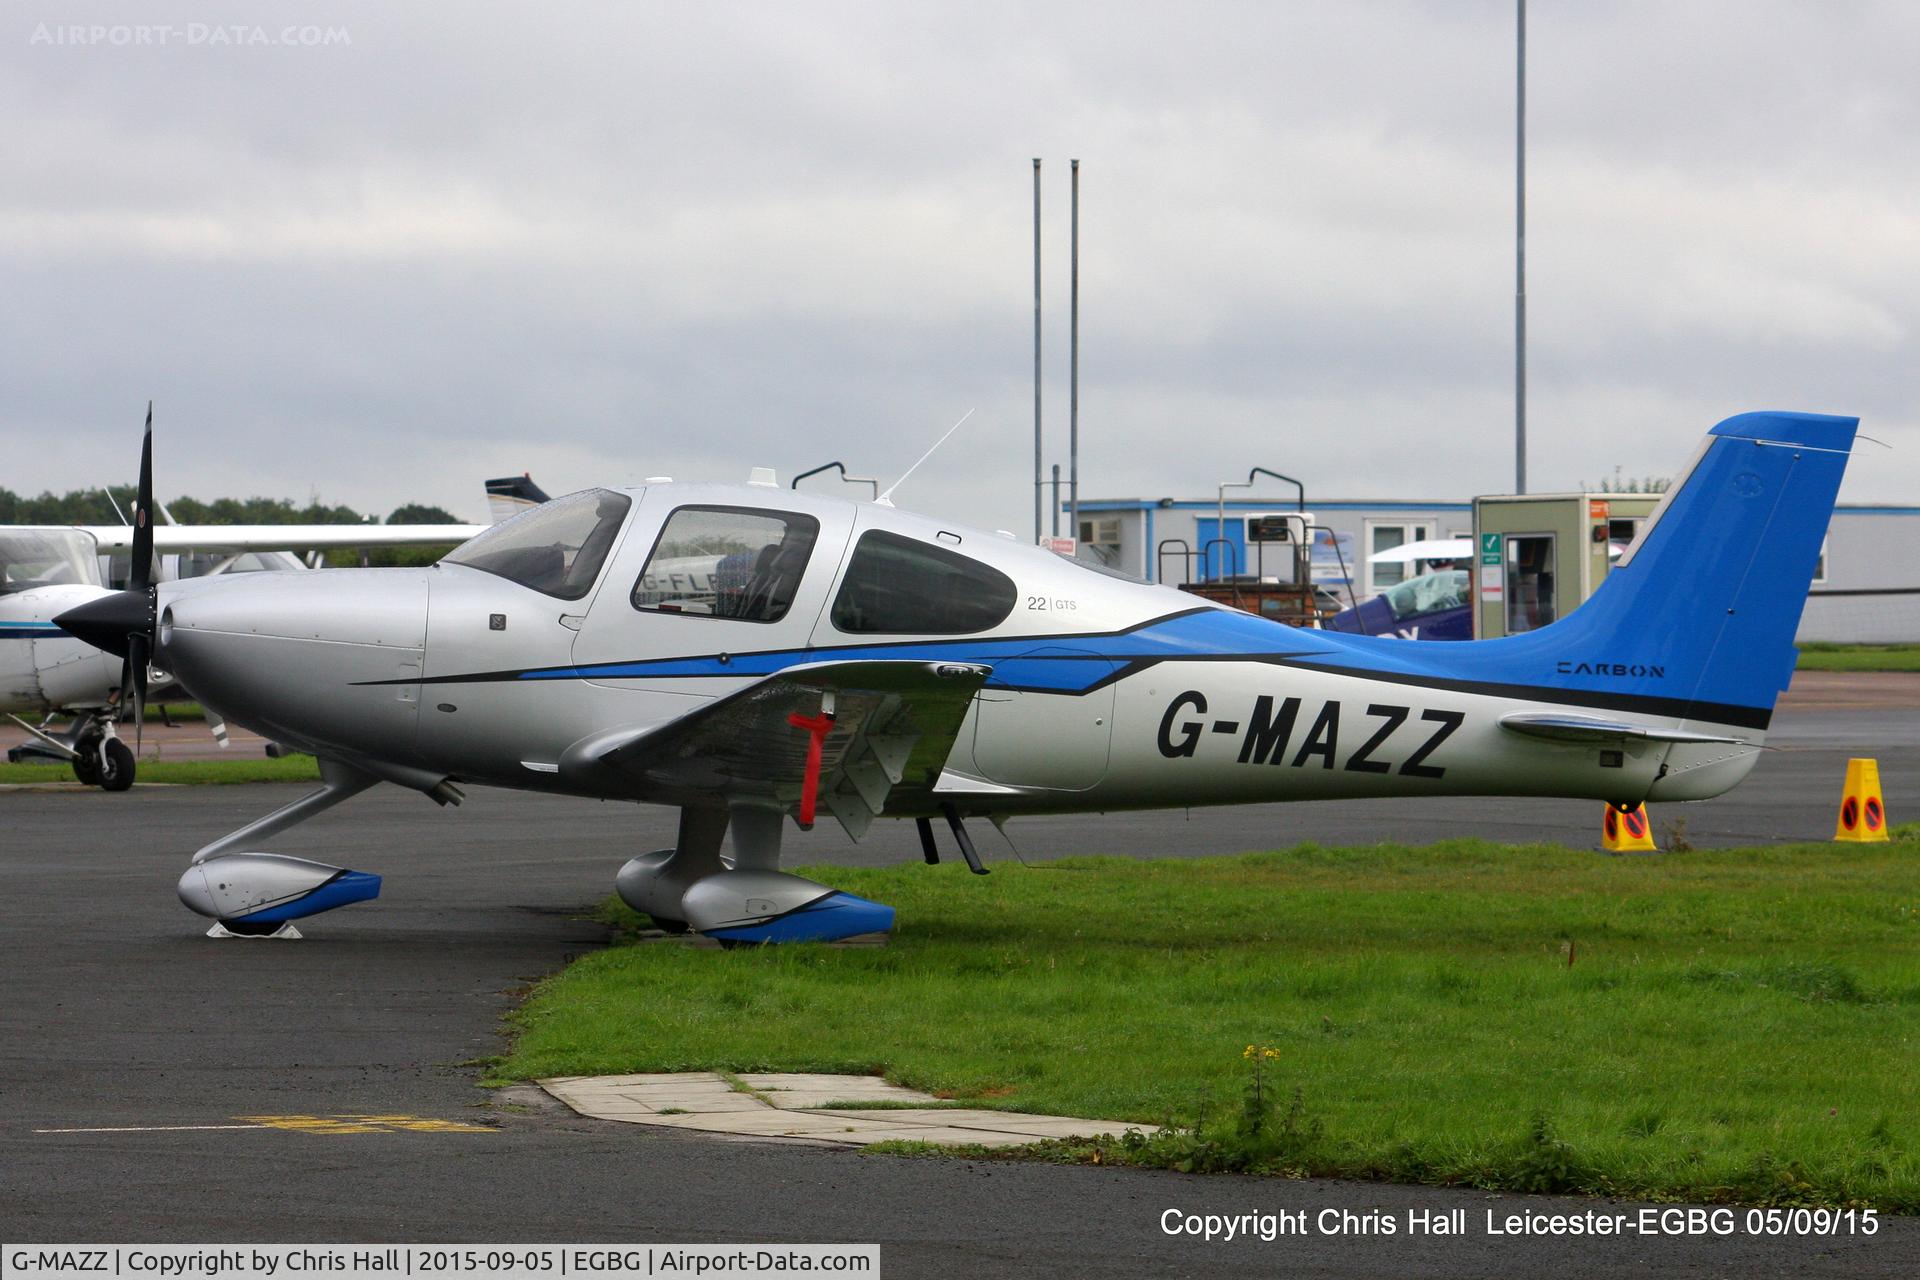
<point>1628,832</point>
<point>1863,811</point>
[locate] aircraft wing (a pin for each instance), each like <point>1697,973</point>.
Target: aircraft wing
<point>893,725</point>
<point>284,537</point>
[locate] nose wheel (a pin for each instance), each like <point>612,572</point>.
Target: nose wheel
<point>251,894</point>
<point>105,763</point>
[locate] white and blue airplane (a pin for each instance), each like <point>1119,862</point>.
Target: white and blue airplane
<point>755,656</point>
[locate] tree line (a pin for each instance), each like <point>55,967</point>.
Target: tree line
<point>92,506</point>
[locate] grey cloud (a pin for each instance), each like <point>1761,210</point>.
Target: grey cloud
<point>610,241</point>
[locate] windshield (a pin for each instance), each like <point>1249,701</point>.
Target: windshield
<point>45,558</point>
<point>557,548</point>
<point>1429,593</point>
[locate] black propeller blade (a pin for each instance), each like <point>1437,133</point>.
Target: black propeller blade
<point>124,623</point>
<point>140,643</point>
<point>142,574</point>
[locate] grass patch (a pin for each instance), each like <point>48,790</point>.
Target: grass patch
<point>196,772</point>
<point>1821,656</point>
<point>1736,1025</point>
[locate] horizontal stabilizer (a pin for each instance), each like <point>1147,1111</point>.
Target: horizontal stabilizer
<point>508,496</point>
<point>1567,728</point>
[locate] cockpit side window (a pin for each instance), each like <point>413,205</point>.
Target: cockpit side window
<point>556,548</point>
<point>898,586</point>
<point>742,563</point>
<point>32,558</point>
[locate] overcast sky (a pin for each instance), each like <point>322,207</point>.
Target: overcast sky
<point>607,241</point>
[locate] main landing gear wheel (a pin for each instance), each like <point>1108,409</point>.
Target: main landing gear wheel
<point>743,900</point>
<point>115,766</point>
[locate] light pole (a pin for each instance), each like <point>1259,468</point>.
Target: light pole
<point>1520,256</point>
<point>1037,482</point>
<point>1073,371</point>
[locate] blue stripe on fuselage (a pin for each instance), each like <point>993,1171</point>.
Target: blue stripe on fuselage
<point>1072,664</point>
<point>1067,663</point>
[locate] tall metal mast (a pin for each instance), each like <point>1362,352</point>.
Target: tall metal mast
<point>1520,258</point>
<point>1073,372</point>
<point>1038,489</point>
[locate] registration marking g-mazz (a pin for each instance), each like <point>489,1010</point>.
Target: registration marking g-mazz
<point>1270,728</point>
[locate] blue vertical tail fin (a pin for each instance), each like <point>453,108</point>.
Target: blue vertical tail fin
<point>1698,617</point>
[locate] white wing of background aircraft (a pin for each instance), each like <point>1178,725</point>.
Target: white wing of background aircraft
<point>278,537</point>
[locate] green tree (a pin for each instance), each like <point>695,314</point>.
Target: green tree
<point>416,513</point>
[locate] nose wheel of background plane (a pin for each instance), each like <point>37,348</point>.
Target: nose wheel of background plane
<point>87,746</point>
<point>106,763</point>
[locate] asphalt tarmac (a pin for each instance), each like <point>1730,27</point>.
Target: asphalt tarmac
<point>118,1015</point>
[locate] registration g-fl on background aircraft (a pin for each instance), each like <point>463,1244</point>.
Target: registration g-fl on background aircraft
<point>754,655</point>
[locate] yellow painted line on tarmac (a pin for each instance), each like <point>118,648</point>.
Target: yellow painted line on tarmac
<point>157,1128</point>
<point>333,1124</point>
<point>348,1123</point>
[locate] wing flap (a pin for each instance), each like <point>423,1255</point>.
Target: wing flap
<point>894,724</point>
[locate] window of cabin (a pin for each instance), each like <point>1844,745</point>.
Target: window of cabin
<point>743,563</point>
<point>32,558</point>
<point>899,586</point>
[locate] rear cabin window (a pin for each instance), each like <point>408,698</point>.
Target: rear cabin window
<point>897,586</point>
<point>727,562</point>
<point>557,548</point>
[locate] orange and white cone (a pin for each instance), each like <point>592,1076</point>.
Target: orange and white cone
<point>1628,832</point>
<point>1863,810</point>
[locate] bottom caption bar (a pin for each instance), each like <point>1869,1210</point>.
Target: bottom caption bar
<point>350,1261</point>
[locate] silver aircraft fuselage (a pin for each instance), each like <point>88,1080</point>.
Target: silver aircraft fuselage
<point>751,655</point>
<point>1104,693</point>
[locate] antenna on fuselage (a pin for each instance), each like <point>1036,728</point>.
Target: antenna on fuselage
<point>886,499</point>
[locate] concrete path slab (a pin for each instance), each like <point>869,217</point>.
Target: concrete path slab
<point>787,1108</point>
